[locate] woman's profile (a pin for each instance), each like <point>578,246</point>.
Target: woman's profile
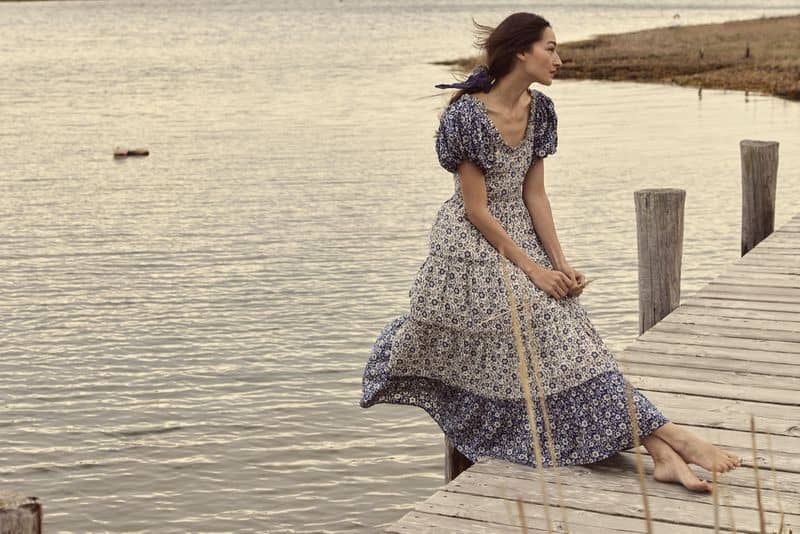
<point>453,353</point>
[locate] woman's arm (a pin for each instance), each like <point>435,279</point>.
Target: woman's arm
<point>542,216</point>
<point>473,188</point>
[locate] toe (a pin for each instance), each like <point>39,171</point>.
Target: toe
<point>702,485</point>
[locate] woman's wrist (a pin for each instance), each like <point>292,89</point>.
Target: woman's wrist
<point>559,265</point>
<point>532,268</point>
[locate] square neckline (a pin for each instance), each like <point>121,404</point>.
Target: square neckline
<point>493,127</point>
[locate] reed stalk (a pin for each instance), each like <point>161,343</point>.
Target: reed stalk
<point>521,511</point>
<point>775,482</point>
<point>648,520</point>
<point>715,497</point>
<point>523,374</point>
<point>537,375</point>
<point>729,506</point>
<point>761,520</point>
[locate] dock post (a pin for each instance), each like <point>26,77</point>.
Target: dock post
<point>454,462</point>
<point>759,178</point>
<point>19,515</point>
<point>659,232</point>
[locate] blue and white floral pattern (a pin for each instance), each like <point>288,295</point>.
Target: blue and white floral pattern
<point>453,354</point>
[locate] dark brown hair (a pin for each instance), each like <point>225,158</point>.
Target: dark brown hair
<point>516,33</point>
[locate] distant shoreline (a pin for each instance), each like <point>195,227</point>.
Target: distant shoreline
<point>710,56</point>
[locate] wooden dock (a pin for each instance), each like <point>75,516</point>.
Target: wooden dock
<point>728,351</point>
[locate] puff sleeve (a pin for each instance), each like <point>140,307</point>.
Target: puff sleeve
<point>460,137</point>
<point>546,138</point>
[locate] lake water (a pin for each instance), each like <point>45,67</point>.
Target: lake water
<point>183,335</point>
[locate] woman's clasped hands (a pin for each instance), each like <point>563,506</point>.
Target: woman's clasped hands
<point>558,283</point>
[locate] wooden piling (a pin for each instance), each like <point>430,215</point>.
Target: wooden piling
<point>19,515</point>
<point>659,229</point>
<point>759,178</point>
<point>454,462</point>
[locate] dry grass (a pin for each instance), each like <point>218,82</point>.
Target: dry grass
<point>760,55</point>
<point>525,383</point>
<point>517,320</point>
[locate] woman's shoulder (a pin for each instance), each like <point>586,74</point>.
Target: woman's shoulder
<point>462,115</point>
<point>546,125</point>
<point>462,108</point>
<point>542,99</point>
<point>544,104</point>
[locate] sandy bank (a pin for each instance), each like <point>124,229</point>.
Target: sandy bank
<point>759,55</point>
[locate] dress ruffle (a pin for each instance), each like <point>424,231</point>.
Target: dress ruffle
<point>460,332</point>
<point>589,421</point>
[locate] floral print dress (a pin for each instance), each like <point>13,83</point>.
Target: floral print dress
<point>453,352</point>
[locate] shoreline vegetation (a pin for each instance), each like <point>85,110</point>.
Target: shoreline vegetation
<point>759,55</point>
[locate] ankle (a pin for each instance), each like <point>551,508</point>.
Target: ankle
<point>675,437</point>
<point>659,450</point>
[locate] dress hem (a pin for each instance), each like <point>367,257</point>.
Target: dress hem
<point>589,422</point>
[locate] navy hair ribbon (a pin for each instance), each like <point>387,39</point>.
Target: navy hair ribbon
<point>480,79</point>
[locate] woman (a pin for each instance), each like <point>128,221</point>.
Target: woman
<point>453,354</point>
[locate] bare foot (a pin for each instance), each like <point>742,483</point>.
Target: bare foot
<point>696,450</point>
<point>670,467</point>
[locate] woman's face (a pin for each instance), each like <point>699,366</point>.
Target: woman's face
<point>542,61</point>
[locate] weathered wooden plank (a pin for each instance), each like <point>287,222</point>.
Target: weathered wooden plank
<point>623,465</point>
<point>773,251</point>
<point>693,361</point>
<point>765,293</point>
<point>718,302</point>
<point>711,405</point>
<point>776,260</point>
<point>755,270</point>
<point>669,346</point>
<point>767,258</point>
<point>781,243</point>
<point>688,415</point>
<point>724,391</point>
<point>779,317</point>
<point>616,481</point>
<point>746,296</point>
<point>744,475</point>
<point>786,240</point>
<point>491,509</point>
<point>788,227</point>
<point>787,349</point>
<point>692,512</point>
<point>767,282</point>
<point>779,251</point>
<point>776,237</point>
<point>791,339</point>
<point>785,448</point>
<point>770,280</point>
<point>416,522</point>
<point>691,315</point>
<point>706,376</point>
